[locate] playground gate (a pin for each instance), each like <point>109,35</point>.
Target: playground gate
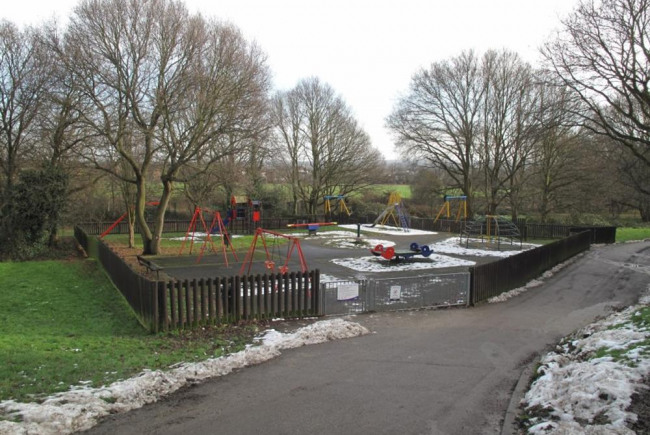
<point>392,294</point>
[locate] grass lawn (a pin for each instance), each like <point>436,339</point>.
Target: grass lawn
<point>385,189</point>
<point>627,234</point>
<point>171,243</point>
<point>63,324</point>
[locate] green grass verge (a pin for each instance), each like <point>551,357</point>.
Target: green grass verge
<point>627,234</point>
<point>63,324</point>
<point>171,243</point>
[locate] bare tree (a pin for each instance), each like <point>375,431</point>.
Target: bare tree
<point>556,163</point>
<point>326,151</point>
<point>509,127</point>
<point>603,55</point>
<point>187,86</point>
<point>438,121</point>
<point>634,176</point>
<point>24,78</point>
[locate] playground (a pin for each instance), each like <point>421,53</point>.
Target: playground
<point>387,247</point>
<point>335,250</point>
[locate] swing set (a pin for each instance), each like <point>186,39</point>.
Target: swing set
<point>445,209</point>
<point>216,226</point>
<point>269,262</point>
<point>342,206</point>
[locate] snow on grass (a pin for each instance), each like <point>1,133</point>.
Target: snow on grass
<point>586,384</point>
<point>454,246</point>
<point>321,234</point>
<point>80,408</point>
<point>201,236</point>
<point>386,229</point>
<point>377,264</point>
<point>535,282</point>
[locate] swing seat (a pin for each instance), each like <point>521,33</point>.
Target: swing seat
<point>270,265</point>
<point>284,269</point>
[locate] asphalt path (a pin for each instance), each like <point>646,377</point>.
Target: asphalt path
<point>445,371</point>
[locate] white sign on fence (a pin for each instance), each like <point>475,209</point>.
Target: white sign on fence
<point>345,292</point>
<point>395,292</point>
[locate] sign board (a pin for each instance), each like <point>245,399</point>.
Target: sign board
<point>345,292</point>
<point>395,292</point>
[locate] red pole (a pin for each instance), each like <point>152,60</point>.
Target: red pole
<point>116,223</point>
<point>251,252</point>
<point>189,228</point>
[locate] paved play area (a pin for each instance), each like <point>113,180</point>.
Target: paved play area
<point>340,255</point>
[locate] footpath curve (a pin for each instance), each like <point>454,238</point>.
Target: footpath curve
<point>420,372</point>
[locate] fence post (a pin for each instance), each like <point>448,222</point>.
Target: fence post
<point>259,294</point>
<point>317,293</point>
<point>163,305</point>
<point>470,298</point>
<point>236,297</point>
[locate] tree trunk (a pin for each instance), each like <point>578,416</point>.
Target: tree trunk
<point>131,224</point>
<point>53,237</point>
<point>140,204</point>
<point>644,210</point>
<point>159,220</point>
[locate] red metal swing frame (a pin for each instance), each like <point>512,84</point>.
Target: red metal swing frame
<point>217,222</point>
<point>269,263</point>
<point>120,219</point>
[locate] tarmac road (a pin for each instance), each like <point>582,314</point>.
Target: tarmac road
<point>447,371</point>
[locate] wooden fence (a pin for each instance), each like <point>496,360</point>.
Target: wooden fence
<point>171,304</point>
<point>191,303</point>
<point>494,278</point>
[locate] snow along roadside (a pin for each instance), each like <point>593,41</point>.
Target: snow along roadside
<point>579,392</point>
<point>535,282</point>
<point>80,409</point>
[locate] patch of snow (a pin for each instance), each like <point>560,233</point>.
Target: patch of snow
<point>79,409</point>
<point>348,243</point>
<point>515,292</point>
<point>201,236</point>
<point>329,278</point>
<point>321,235</point>
<point>576,388</point>
<point>644,299</point>
<point>344,239</point>
<point>453,245</point>
<point>386,229</point>
<point>377,264</point>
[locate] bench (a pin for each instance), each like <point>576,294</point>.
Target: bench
<point>149,265</point>
<point>313,229</point>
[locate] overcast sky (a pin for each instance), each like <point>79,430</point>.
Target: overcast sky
<point>366,50</point>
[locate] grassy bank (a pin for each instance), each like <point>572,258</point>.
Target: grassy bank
<point>63,324</point>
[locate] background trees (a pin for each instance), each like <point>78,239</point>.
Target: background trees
<point>24,78</point>
<point>325,151</point>
<point>438,120</point>
<point>166,88</point>
<point>475,120</point>
<point>157,99</point>
<point>603,56</point>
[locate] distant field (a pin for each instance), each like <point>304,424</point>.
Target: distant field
<point>403,189</point>
<point>628,234</point>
